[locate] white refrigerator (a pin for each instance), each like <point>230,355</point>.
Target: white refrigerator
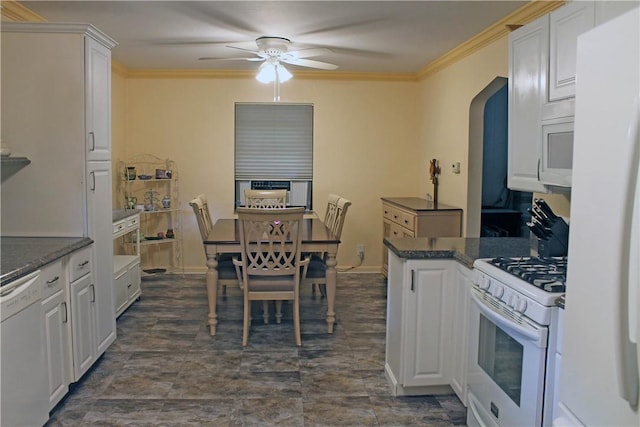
<point>599,363</point>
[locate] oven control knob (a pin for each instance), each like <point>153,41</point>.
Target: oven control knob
<point>498,291</point>
<point>485,283</point>
<point>512,300</point>
<point>521,306</point>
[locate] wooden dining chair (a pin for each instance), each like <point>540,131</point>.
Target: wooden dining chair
<point>267,199</point>
<point>270,264</point>
<point>227,275</point>
<point>335,215</point>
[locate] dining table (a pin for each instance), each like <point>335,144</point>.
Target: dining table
<point>224,238</point>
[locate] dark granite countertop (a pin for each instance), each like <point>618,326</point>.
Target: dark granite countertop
<point>119,214</point>
<point>463,249</point>
<point>417,204</point>
<point>23,255</point>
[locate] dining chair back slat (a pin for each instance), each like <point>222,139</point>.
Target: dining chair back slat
<point>269,199</point>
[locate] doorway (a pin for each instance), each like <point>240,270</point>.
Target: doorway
<point>493,209</point>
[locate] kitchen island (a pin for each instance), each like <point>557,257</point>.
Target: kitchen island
<point>428,290</point>
<point>465,250</point>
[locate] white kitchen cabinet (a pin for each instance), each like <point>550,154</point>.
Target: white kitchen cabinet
<point>56,326</point>
<point>460,317</point>
<point>565,25</point>
<point>528,59</point>
<point>419,317</point>
<point>84,338</point>
<point>83,311</point>
<point>100,222</point>
<point>98,99</point>
<point>64,129</point>
<point>126,262</point>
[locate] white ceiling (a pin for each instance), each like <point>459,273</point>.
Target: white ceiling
<point>364,36</point>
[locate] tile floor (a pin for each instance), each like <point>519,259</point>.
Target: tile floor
<point>165,370</point>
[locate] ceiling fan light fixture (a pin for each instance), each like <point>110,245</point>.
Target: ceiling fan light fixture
<point>266,73</point>
<point>283,74</point>
<point>269,71</point>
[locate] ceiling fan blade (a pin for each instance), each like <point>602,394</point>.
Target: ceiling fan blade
<point>310,63</point>
<point>242,48</point>
<point>211,58</point>
<point>306,53</point>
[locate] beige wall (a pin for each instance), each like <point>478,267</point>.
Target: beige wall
<point>364,145</point>
<point>445,98</point>
<point>372,139</point>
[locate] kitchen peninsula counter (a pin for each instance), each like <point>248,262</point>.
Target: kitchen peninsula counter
<point>23,255</point>
<point>465,250</point>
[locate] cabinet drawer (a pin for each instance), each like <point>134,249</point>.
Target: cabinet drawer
<point>52,280</point>
<point>133,222</point>
<point>398,216</point>
<point>387,212</point>
<point>79,264</point>
<point>398,231</point>
<point>119,226</point>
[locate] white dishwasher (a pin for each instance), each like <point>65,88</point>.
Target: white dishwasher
<point>24,399</point>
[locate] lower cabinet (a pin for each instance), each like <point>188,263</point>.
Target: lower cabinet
<point>127,283</point>
<point>418,326</point>
<point>461,288</point>
<point>56,326</point>
<point>427,302</point>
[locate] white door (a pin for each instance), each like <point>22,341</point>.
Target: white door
<point>98,100</point>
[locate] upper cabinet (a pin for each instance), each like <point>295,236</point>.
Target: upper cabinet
<point>542,75</point>
<point>565,25</point>
<point>528,58</point>
<point>98,100</point>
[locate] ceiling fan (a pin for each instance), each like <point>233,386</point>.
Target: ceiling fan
<point>275,50</point>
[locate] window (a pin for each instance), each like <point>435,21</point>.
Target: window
<point>274,144</point>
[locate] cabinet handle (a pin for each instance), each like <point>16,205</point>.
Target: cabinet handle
<point>52,281</point>
<point>413,280</point>
<point>93,182</point>
<point>93,293</point>
<point>93,141</point>
<point>538,170</point>
<point>66,314</point>
<point>82,264</point>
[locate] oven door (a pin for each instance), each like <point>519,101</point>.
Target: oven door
<point>506,365</point>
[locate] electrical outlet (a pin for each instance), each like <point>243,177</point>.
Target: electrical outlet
<point>360,251</point>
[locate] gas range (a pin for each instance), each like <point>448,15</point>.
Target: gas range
<point>528,285</point>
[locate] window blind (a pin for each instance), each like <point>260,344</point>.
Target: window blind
<point>273,141</point>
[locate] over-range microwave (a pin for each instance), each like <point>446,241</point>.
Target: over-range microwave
<point>298,191</point>
<point>556,161</point>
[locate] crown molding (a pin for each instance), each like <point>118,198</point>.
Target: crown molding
<point>11,10</point>
<point>523,15</point>
<point>250,74</point>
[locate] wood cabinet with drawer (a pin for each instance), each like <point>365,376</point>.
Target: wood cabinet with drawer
<point>415,217</point>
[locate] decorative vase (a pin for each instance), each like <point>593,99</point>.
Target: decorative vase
<point>166,202</point>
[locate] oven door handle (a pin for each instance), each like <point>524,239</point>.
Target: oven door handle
<point>535,335</point>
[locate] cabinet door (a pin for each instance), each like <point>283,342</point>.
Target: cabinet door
<point>427,324</point>
<point>98,100</point>
<point>101,231</point>
<point>121,285</point>
<point>83,331</point>
<point>565,25</point>
<point>461,289</point>
<point>134,282</point>
<point>56,317</point>
<point>528,48</point>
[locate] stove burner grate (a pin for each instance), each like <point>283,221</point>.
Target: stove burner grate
<point>546,273</point>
